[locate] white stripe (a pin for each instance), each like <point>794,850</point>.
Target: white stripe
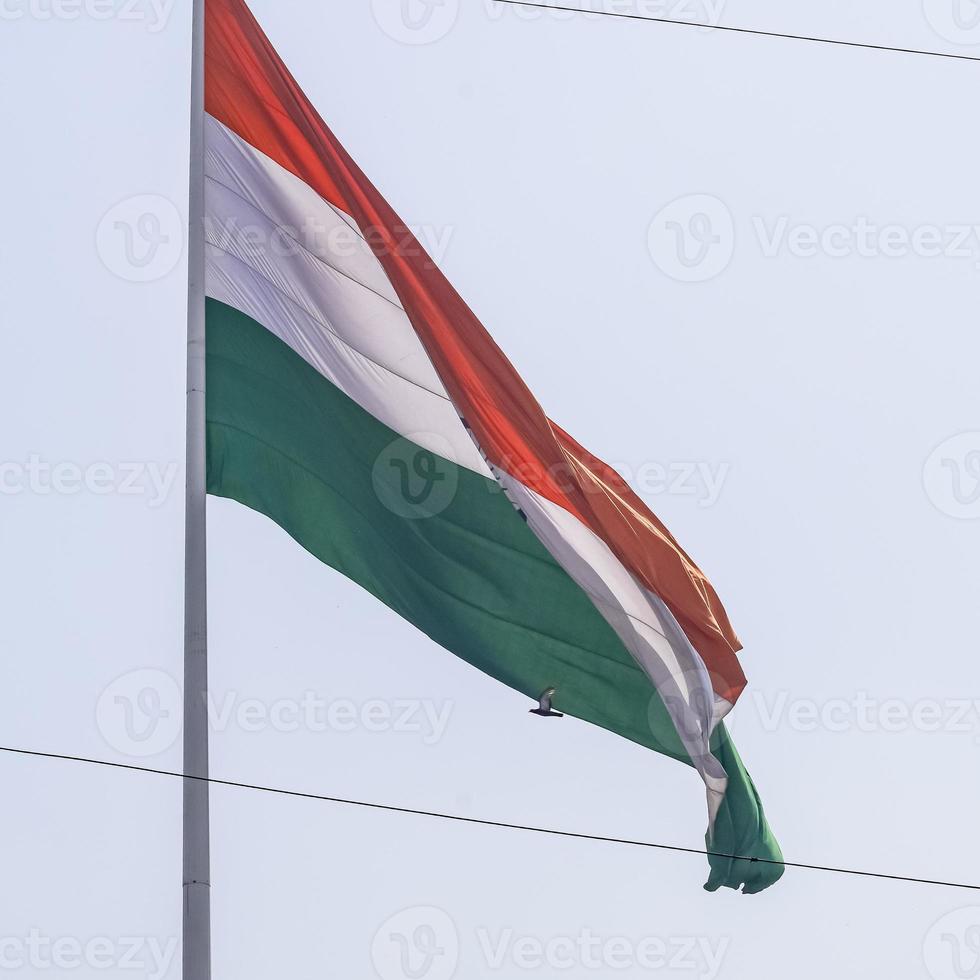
<point>642,621</point>
<point>291,261</point>
<point>322,291</point>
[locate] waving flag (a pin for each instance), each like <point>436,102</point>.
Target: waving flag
<point>355,399</point>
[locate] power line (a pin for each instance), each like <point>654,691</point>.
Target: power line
<point>747,30</point>
<point>391,808</point>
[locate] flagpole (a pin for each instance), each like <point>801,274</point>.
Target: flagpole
<point>196,836</point>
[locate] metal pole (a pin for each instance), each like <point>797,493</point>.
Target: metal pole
<point>197,860</point>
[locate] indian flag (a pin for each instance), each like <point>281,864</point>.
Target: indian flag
<point>355,399</point>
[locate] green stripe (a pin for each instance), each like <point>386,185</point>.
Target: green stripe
<point>439,544</point>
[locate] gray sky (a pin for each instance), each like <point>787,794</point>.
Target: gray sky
<point>781,413</point>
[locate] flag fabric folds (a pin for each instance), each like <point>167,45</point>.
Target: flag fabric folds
<point>355,399</point>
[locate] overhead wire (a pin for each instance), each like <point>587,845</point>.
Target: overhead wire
<point>481,821</point>
<point>703,25</point>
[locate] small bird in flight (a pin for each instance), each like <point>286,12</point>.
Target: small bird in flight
<point>544,705</point>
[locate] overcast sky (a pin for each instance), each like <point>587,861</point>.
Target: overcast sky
<point>743,270</point>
